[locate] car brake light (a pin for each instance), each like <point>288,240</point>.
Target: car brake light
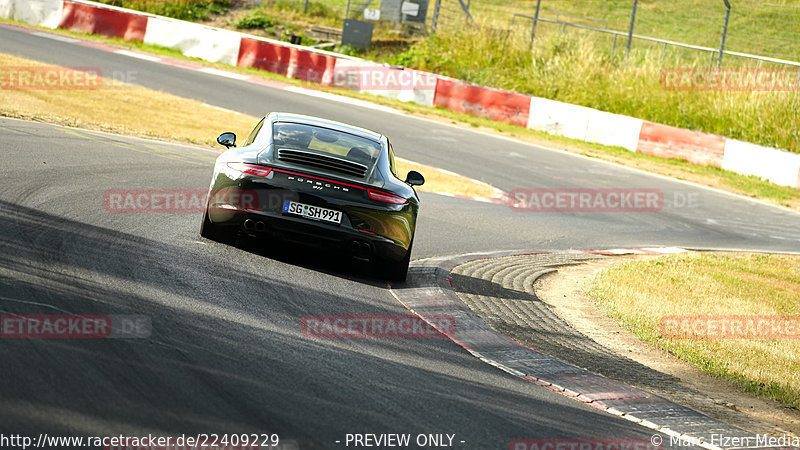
<point>252,169</point>
<point>386,197</point>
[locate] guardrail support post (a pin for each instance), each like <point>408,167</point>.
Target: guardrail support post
<point>614,46</point>
<point>435,21</point>
<point>724,32</point>
<point>533,26</point>
<point>465,7</point>
<point>630,29</point>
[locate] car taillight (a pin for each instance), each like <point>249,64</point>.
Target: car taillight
<point>252,169</point>
<point>386,197</point>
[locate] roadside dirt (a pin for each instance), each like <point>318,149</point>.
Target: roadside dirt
<point>565,292</point>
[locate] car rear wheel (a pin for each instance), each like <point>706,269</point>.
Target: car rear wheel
<point>210,231</point>
<point>397,270</point>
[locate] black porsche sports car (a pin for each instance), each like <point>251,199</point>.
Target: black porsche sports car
<point>314,181</point>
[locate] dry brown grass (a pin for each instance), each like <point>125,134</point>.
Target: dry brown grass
<point>119,108</point>
<point>122,108</point>
<point>641,293</point>
<point>445,182</point>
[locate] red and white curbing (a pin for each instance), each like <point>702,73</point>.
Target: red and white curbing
<point>429,292</point>
<point>563,119</point>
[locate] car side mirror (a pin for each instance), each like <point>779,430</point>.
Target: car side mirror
<point>415,178</point>
<point>227,139</point>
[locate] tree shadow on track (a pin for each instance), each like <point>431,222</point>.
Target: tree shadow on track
<point>227,355</point>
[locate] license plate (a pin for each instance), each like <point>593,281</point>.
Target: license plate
<point>312,212</point>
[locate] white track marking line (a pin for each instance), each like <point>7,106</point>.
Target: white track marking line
<point>138,55</point>
<point>55,37</point>
<point>222,73</point>
<point>340,99</point>
<point>664,249</point>
<point>229,111</point>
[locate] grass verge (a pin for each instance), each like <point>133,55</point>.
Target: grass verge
<point>178,9</point>
<point>117,107</point>
<point>640,293</point>
<point>571,68</point>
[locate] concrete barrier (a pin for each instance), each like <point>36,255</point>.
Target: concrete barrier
<point>380,79</point>
<point>698,148</point>
<point>585,124</point>
<point>288,60</point>
<point>107,22</point>
<point>494,104</point>
<point>780,167</point>
<point>614,130</point>
<point>424,89</point>
<point>561,119</point>
<point>7,9</point>
<point>44,13</point>
<point>195,40</point>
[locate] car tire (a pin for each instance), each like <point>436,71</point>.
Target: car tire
<point>397,270</point>
<point>210,231</point>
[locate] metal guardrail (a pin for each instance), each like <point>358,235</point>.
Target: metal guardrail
<point>713,51</point>
<point>585,19</point>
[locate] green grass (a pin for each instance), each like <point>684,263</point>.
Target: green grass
<point>179,9</point>
<point>280,19</point>
<point>640,293</point>
<point>572,69</point>
<point>316,9</point>
<point>759,27</point>
<point>256,19</point>
<point>764,28</point>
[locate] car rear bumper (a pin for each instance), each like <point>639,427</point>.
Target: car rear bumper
<point>266,226</point>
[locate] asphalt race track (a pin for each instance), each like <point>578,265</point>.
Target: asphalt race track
<point>226,353</point>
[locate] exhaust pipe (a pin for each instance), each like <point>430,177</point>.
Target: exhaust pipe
<point>261,226</point>
<point>359,248</point>
<point>366,249</point>
<point>249,224</point>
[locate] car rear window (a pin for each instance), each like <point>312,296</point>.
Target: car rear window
<point>298,136</point>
